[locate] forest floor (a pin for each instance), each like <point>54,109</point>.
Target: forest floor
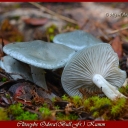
<point>22,22</point>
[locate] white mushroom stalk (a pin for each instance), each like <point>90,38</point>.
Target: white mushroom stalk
<point>110,91</point>
<point>94,69</point>
<point>38,75</point>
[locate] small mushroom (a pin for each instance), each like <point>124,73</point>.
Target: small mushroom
<point>76,40</point>
<point>94,69</point>
<point>40,55</point>
<point>17,69</point>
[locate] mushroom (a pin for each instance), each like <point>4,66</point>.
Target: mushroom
<point>17,69</point>
<point>40,55</point>
<point>76,40</point>
<point>20,70</point>
<point>94,69</point>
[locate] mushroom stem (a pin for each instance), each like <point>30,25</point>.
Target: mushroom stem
<point>110,91</point>
<point>125,83</point>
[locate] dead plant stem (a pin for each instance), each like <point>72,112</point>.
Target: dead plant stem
<point>53,13</point>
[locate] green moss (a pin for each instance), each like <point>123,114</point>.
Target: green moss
<point>114,108</point>
<point>96,105</point>
<point>87,105</point>
<point>51,37</point>
<point>3,79</point>
<point>7,95</point>
<point>96,114</point>
<point>65,98</point>
<point>15,109</point>
<point>70,25</point>
<point>57,107</point>
<point>124,90</point>
<point>117,107</point>
<point>95,102</point>
<point>3,114</point>
<point>77,101</point>
<point>27,116</point>
<point>101,102</point>
<point>51,31</point>
<point>46,112</point>
<point>53,99</point>
<point>62,116</point>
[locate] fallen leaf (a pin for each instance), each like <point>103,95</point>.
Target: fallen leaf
<point>117,46</point>
<point>36,22</point>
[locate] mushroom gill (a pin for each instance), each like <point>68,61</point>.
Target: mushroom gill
<point>94,69</point>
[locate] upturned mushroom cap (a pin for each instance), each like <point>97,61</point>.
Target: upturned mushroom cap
<point>40,54</point>
<point>79,72</point>
<point>18,69</point>
<point>76,40</point>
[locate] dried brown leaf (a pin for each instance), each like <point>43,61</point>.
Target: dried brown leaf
<point>117,46</point>
<point>36,22</point>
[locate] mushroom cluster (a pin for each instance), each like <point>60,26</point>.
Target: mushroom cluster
<point>93,67</point>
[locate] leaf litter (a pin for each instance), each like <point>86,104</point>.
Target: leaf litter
<point>33,102</point>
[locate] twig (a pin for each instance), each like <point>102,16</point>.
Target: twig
<point>118,30</point>
<point>53,13</point>
<point>1,47</point>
